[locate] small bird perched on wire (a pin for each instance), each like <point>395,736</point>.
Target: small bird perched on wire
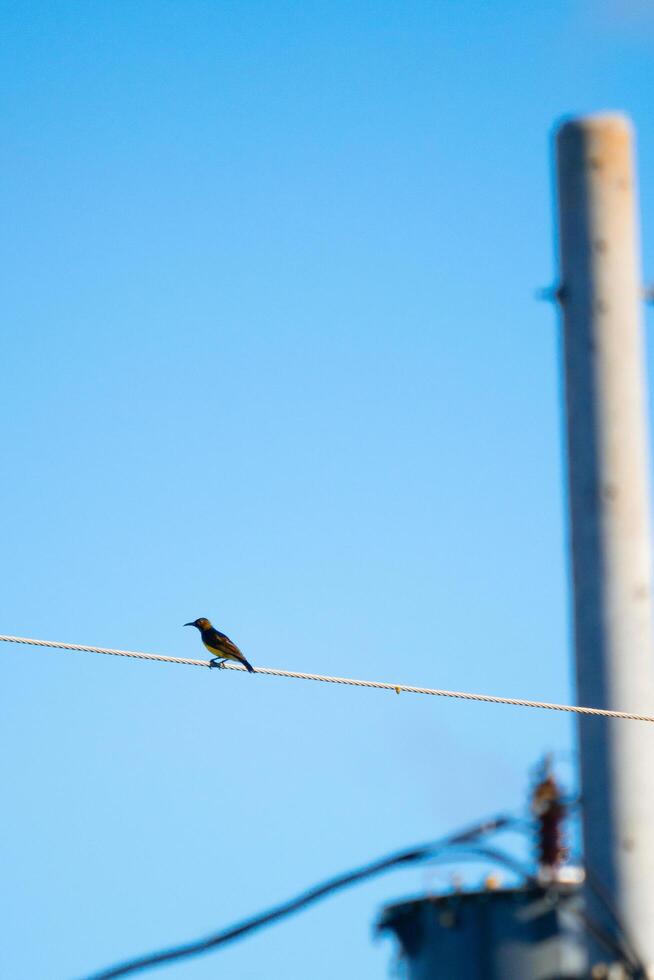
<point>219,645</point>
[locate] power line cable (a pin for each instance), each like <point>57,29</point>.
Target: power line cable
<point>452,848</point>
<point>617,942</point>
<point>349,681</point>
<point>501,857</point>
<point>308,897</point>
<point>610,943</point>
<point>622,936</point>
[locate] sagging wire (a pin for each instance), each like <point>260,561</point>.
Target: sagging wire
<point>413,855</point>
<point>576,709</point>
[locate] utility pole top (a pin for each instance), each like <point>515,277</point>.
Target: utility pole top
<point>597,121</point>
<point>597,146</point>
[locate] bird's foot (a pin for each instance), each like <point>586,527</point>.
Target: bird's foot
<point>216,663</point>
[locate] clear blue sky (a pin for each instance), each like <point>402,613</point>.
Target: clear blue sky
<point>272,355</point>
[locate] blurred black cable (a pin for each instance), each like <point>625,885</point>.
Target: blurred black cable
<point>611,944</point>
<point>622,936</point>
<point>463,843</point>
<point>501,857</point>
<point>413,855</point>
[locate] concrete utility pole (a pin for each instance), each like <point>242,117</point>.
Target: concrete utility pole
<point>600,297</point>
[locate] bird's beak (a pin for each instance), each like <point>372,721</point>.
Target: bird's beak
<point>189,624</point>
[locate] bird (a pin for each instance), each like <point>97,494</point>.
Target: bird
<point>219,645</point>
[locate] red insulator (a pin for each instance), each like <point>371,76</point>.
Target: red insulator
<point>549,809</point>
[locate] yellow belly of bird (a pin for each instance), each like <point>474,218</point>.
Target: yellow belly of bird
<point>221,653</point>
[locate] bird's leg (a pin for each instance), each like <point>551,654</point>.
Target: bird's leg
<point>217,662</point>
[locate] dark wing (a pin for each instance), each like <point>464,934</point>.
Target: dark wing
<point>219,641</point>
<point>222,644</point>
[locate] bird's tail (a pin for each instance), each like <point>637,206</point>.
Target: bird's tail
<point>248,665</point>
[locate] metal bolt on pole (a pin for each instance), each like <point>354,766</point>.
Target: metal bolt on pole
<point>600,296</point>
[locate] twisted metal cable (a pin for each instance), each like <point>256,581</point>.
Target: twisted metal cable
<point>349,681</point>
